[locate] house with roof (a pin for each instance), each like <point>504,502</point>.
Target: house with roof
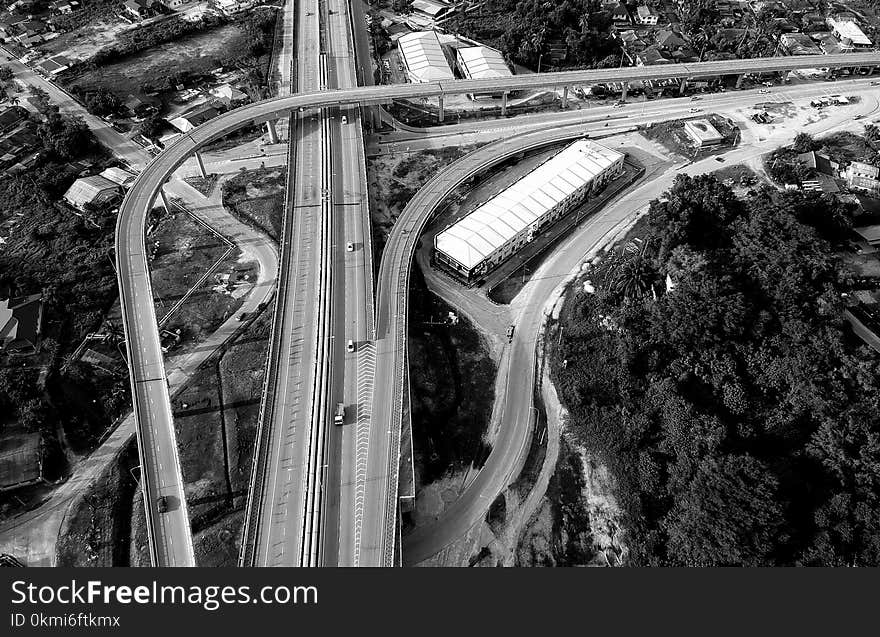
<point>669,39</point>
<point>862,176</point>
<point>118,176</point>
<point>54,66</point>
<point>139,9</point>
<point>195,117</point>
<point>21,459</point>
<point>620,14</point>
<point>63,7</point>
<point>650,56</point>
<point>423,56</point>
<point>799,44</point>
<point>11,117</point>
<point>21,324</point>
<point>139,106</point>
<point>646,15</point>
<point>94,190</point>
<point>850,33</point>
<point>228,95</point>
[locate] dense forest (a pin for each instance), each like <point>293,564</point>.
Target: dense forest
<point>714,373</point>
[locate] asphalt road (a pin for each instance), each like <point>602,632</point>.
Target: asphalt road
<point>283,496</point>
<point>353,372</point>
<point>518,360</point>
<point>144,190</point>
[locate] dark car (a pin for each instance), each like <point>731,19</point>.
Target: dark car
<point>162,504</point>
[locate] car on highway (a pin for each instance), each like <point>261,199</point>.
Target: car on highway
<point>345,119</point>
<point>696,98</point>
<point>339,414</point>
<point>349,246</point>
<point>162,504</point>
<point>349,347</point>
<point>719,159</point>
<point>764,91</point>
<point>510,334</point>
<point>695,110</point>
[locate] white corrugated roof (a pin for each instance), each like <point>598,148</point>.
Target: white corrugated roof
<point>88,189</point>
<point>424,56</point>
<point>851,30</point>
<point>118,175</point>
<point>481,62</point>
<point>491,225</point>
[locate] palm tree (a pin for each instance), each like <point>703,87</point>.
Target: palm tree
<point>631,273</point>
<point>872,132</point>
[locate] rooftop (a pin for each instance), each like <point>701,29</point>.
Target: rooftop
<point>480,62</point>
<point>424,57</point>
<point>477,235</point>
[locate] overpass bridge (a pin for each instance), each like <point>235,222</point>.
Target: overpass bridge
<point>157,442</point>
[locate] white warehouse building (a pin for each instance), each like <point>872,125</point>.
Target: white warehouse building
<point>424,58</point>
<point>496,229</point>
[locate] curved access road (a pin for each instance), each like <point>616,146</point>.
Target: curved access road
<point>519,359</point>
<point>169,534</point>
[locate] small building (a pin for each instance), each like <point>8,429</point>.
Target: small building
<point>139,9</point>
<point>702,133</point>
<point>670,40</point>
<point>850,31</point>
<point>118,176</point>
<point>871,234</point>
<point>21,460</point>
<point>862,176</point>
<point>94,190</point>
<point>63,7</point>
<point>196,117</point>
<point>11,117</point>
<point>229,95</point>
<point>498,228</point>
<point>231,7</point>
<point>647,15</point>
<point>799,44</point>
<point>21,323</point>
<point>620,14</point>
<point>54,66</point>
<point>481,63</point>
<point>423,57</point>
<point>429,11</point>
<point>140,106</point>
<point>650,56</point>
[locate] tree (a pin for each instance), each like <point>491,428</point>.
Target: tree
<point>102,102</point>
<point>152,127</point>
<point>804,143</point>
<point>727,516</point>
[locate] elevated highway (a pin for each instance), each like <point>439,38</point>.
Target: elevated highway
<point>155,426</point>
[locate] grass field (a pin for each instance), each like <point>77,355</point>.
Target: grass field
<point>196,54</point>
<point>186,251</point>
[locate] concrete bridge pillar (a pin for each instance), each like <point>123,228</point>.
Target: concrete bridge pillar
<point>202,171</point>
<point>504,103</point>
<point>623,93</point>
<point>273,134</point>
<point>564,97</point>
<point>739,80</point>
<point>683,87</point>
<point>440,104</point>
<point>164,198</point>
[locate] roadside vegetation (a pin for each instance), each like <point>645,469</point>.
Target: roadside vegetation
<point>257,198</point>
<point>730,401</point>
<point>452,385</point>
<point>67,257</point>
<point>155,58</point>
